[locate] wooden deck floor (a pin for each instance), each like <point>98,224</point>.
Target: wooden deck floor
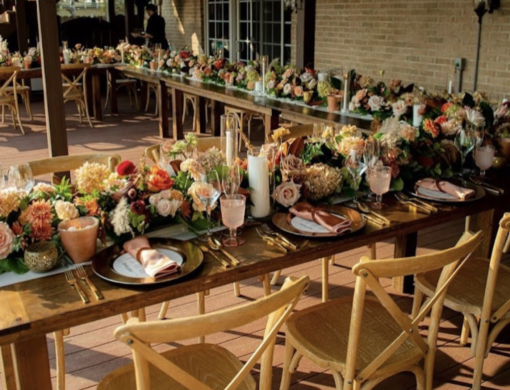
<point>91,351</point>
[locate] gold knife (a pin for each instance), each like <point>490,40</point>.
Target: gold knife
<point>288,243</point>
<point>230,257</point>
<point>206,249</point>
<point>272,242</point>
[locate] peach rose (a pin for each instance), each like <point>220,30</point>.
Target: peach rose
<point>6,238</point>
<point>159,180</point>
<point>287,194</point>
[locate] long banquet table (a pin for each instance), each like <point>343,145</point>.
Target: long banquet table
<point>271,109</point>
<point>32,309</point>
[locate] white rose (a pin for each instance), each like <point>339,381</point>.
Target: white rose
<point>6,239</point>
<point>165,194</point>
<point>174,206</point>
<point>164,207</point>
<point>311,84</point>
<point>287,194</point>
<point>399,108</point>
<point>306,77</point>
<point>270,84</point>
<point>475,117</point>
<point>154,199</point>
<point>287,88</point>
<point>375,102</point>
<point>66,210</point>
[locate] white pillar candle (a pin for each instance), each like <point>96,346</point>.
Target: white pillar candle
<point>450,86</point>
<point>258,87</point>
<point>417,118</point>
<point>258,178</point>
<point>122,53</point>
<point>264,59</point>
<point>66,56</point>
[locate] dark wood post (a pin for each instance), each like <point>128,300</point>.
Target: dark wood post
<point>129,11</point>
<point>305,50</point>
<point>21,25</point>
<point>52,79</point>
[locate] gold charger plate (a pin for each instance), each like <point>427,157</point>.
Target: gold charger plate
<point>102,263</point>
<point>479,194</point>
<point>282,221</point>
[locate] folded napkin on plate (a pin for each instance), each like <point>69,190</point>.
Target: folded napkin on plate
<point>154,263</point>
<point>332,222</point>
<point>446,187</point>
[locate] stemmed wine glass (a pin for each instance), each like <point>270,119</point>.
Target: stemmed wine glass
<point>380,180</point>
<point>232,213</point>
<point>371,154</point>
<point>356,166</point>
<point>464,142</point>
<point>21,177</point>
<point>483,158</point>
<point>208,191</point>
<point>230,179</point>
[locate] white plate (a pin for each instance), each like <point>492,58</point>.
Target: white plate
<point>127,265</point>
<point>435,194</point>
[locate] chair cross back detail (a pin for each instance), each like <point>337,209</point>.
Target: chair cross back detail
<point>8,81</point>
<point>276,307</point>
<point>71,85</point>
<point>369,272</point>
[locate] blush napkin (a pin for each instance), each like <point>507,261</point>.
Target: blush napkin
<point>446,187</point>
<point>333,223</point>
<point>154,263</point>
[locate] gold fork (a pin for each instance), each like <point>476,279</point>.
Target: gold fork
<point>82,274</point>
<point>73,282</point>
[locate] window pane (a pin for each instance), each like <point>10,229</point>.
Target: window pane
<point>277,11</point>
<point>212,14</point>
<point>219,12</point>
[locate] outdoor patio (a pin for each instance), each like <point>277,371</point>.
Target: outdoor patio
<point>91,351</point>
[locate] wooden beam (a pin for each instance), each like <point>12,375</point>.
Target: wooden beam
<point>305,46</point>
<point>21,25</point>
<point>129,12</point>
<point>52,79</point>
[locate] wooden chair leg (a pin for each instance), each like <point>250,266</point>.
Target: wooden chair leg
<point>325,279</point>
<point>464,334</point>
<point>417,302</point>
<point>266,284</point>
<point>163,310</point>
<point>108,93</point>
<point>124,317</point>
<point>276,276</point>
<point>10,377</point>
<point>237,289</point>
<point>481,344</point>
<point>60,359</point>
<point>135,94</point>
<point>201,310</point>
<point>3,114</point>
<point>87,115</point>
<point>373,251</point>
<point>286,370</point>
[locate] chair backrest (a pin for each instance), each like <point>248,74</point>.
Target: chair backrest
<point>8,75</point>
<point>277,307</point>
<point>500,247</point>
<point>204,144</point>
<point>71,84</point>
<point>368,273</point>
<point>68,163</point>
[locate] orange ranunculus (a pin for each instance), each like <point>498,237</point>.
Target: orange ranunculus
<point>159,180</point>
<point>445,107</point>
<point>441,119</point>
<point>430,127</point>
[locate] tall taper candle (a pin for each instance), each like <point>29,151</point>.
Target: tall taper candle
<point>417,118</point>
<point>345,102</point>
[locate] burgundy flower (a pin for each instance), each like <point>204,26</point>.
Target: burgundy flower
<point>126,168</point>
<point>132,193</point>
<point>138,207</point>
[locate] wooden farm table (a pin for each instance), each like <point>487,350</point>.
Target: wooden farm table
<point>93,86</point>
<point>219,95</point>
<point>32,309</point>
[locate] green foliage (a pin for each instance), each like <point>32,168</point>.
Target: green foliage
<point>64,190</point>
<point>182,182</point>
<point>13,264</point>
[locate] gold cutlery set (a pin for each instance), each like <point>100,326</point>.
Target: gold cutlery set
<point>82,274</point>
<point>275,239</point>
<point>415,202</point>
<point>214,247</point>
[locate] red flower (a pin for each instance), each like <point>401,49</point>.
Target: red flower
<point>441,119</point>
<point>138,207</point>
<point>126,168</point>
<point>445,107</point>
<point>184,54</point>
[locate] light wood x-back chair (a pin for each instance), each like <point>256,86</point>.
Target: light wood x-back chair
<point>481,292</point>
<point>365,339</point>
<point>9,94</point>
<point>203,366</point>
<point>75,88</point>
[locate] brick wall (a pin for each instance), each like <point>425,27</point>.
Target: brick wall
<point>415,40</point>
<point>184,23</point>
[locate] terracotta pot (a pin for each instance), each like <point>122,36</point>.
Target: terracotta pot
<point>153,65</point>
<point>79,237</point>
<point>27,64</point>
<point>333,101</point>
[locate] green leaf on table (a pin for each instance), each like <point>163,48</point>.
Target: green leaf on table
<point>15,265</point>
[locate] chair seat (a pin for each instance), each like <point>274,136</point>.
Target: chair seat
<point>213,365</point>
<point>71,95</point>
<point>321,332</point>
<point>125,81</point>
<point>467,291</point>
<point>19,88</point>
